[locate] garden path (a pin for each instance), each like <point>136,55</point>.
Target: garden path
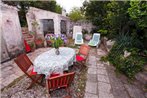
<point>103,82</point>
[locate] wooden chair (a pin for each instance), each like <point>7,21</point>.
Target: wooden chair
<point>60,81</point>
<point>26,66</point>
<point>82,55</point>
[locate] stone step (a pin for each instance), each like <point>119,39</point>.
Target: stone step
<point>142,77</point>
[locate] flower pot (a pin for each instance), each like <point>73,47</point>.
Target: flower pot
<point>39,43</point>
<point>87,37</point>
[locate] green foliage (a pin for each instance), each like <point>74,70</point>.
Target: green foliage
<point>57,42</point>
<point>138,13</point>
<point>23,7</point>
<point>58,9</point>
<point>103,32</point>
<point>104,58</point>
<point>118,17</point>
<point>128,65</point>
<point>84,31</point>
<point>76,14</point>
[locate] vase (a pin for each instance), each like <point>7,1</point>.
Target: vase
<point>57,51</point>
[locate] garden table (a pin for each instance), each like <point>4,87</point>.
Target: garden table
<point>48,62</point>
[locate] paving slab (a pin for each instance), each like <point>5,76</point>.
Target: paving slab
<point>91,87</point>
<point>102,71</point>
<point>104,87</point>
<point>103,78</point>
<point>89,95</point>
<point>105,95</point>
<point>92,77</point>
<point>133,91</point>
<point>92,71</point>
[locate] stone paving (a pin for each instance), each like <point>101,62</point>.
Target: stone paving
<point>102,81</point>
<point>10,71</point>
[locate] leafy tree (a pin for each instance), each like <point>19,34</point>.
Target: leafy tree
<point>58,9</point>
<point>117,17</point>
<point>76,14</point>
<point>23,6</point>
<point>138,13</point>
<point>95,11</point>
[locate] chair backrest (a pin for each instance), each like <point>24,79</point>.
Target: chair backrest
<point>96,37</point>
<point>76,29</point>
<point>23,62</point>
<point>78,36</point>
<point>60,81</point>
<point>84,50</point>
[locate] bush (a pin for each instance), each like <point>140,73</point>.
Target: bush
<point>84,31</point>
<point>131,64</point>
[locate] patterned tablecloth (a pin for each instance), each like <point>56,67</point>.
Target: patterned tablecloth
<point>48,62</point>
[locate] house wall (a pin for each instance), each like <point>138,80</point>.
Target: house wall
<point>11,30</point>
<point>35,14</point>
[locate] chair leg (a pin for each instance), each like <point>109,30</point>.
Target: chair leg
<point>35,81</point>
<point>42,79</point>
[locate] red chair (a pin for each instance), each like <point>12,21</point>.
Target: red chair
<point>82,54</point>
<point>27,47</point>
<point>26,66</point>
<point>60,81</point>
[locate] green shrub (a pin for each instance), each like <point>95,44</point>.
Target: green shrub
<point>128,65</point>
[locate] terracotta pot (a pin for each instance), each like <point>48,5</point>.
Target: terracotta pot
<point>87,37</point>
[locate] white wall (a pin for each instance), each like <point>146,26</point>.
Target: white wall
<point>11,29</point>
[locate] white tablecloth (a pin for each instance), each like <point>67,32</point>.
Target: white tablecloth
<point>48,62</point>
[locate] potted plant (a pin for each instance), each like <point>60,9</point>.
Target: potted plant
<point>39,42</point>
<point>32,45</point>
<point>56,43</point>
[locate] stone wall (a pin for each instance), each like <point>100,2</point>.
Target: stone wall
<point>84,24</point>
<point>10,30</point>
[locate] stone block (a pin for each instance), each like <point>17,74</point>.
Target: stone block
<point>92,66</point>
<point>92,62</point>
<point>104,87</point>
<point>102,71</point>
<point>88,95</point>
<point>92,57</point>
<point>92,77</point>
<point>92,71</point>
<point>133,91</point>
<point>103,78</point>
<point>142,77</point>
<point>105,95</point>
<point>102,66</point>
<point>91,87</point>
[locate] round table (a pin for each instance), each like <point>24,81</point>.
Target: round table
<point>48,62</point>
